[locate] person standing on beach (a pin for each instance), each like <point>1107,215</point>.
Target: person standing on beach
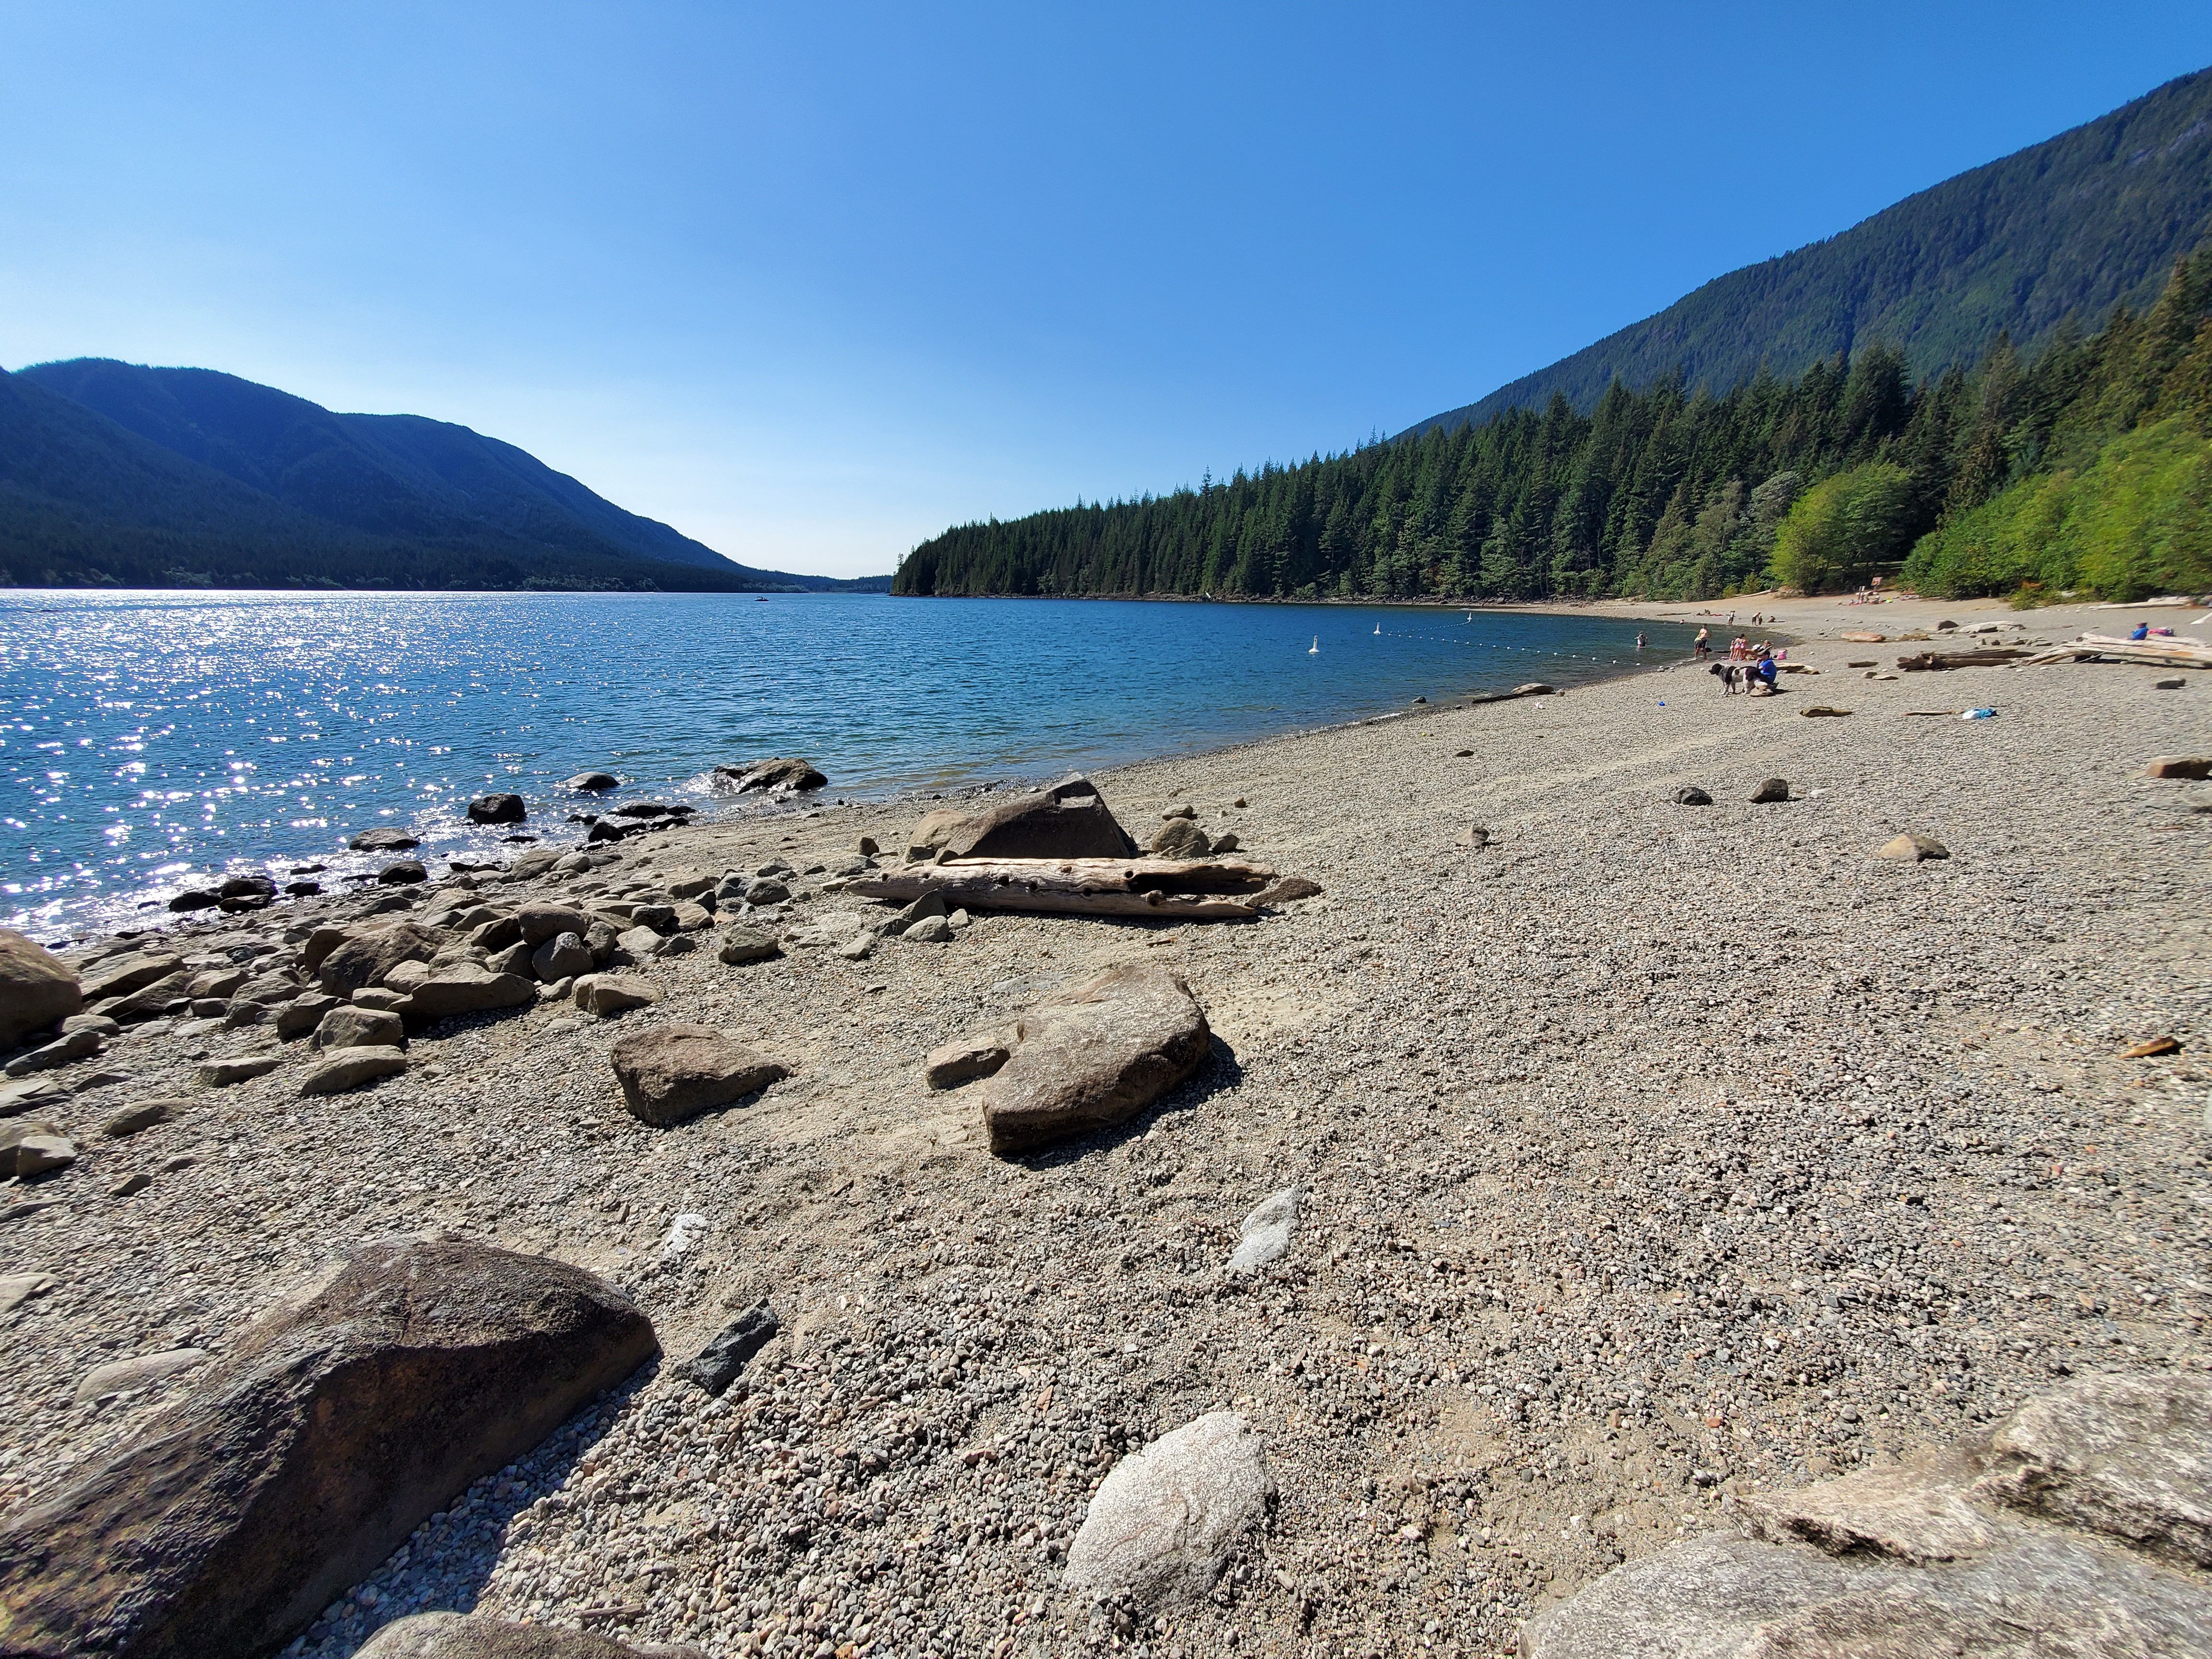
<point>1702,646</point>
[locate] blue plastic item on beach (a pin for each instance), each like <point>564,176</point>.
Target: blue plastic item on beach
<point>1979,715</point>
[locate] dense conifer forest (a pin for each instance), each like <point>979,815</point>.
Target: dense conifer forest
<point>2086,467</point>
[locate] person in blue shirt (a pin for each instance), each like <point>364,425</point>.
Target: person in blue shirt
<point>2143,631</point>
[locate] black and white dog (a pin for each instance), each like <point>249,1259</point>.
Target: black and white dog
<point>1730,675</point>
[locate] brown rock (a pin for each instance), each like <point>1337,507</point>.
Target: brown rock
<point>320,944</point>
<point>1094,1056</point>
<point>465,989</point>
<point>1179,838</point>
<point>348,1068</point>
<point>298,1461</point>
<point>670,1074</point>
<point>403,873</point>
<point>927,838</point>
<point>1915,1513</point>
<point>1068,821</point>
<point>539,922</point>
<point>37,989</point>
<point>780,776</point>
<point>2151,1048</point>
<point>1773,790</point>
<point>149,999</point>
<point>348,1027</point>
<point>1288,891</point>
<point>962,1062</point>
<point>118,976</point>
<point>365,959</point>
<point>2195,767</point>
<point>32,1147</point>
<point>738,945</point>
<point>1911,849</point>
<point>140,1115</point>
<point>224,1073</point>
<point>610,993</point>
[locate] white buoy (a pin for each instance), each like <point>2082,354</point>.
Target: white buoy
<point>1314,650</point>
<point>1378,628</point>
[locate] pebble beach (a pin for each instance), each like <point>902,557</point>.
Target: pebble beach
<point>1649,1157</point>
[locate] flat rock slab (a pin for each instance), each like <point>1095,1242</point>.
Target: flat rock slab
<point>349,1068</point>
<point>1096,1055</point>
<point>142,1372</point>
<point>37,989</point>
<point>738,945</point>
<point>468,1636</point>
<point>348,1027</point>
<point>296,1464</point>
<point>2128,1455</point>
<point>610,993</point>
<point>964,1062</point>
<point>670,1074</point>
<point>1161,1527</point>
<point>224,1073</point>
<point>466,990</point>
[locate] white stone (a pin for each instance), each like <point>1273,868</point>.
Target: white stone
<point>1161,1526</point>
<point>1266,1233</point>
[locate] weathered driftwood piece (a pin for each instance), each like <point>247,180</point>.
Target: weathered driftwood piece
<point>2090,647</point>
<point>1199,890</point>
<point>1989,657</point>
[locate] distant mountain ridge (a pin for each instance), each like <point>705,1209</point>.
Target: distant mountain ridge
<point>116,471</point>
<point>2069,227</point>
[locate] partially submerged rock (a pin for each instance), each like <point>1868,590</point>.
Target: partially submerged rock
<point>303,1457</point>
<point>384,841</point>
<point>1096,1055</point>
<point>498,809</point>
<point>1162,1525</point>
<point>37,989</point>
<point>670,1074</point>
<point>783,774</point>
<point>592,782</point>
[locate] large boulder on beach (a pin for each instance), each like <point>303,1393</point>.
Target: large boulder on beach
<point>927,838</point>
<point>465,989</point>
<point>473,1636</point>
<point>782,775</point>
<point>365,958</point>
<point>304,1455</point>
<point>1161,1526</point>
<point>1095,1055</point>
<point>670,1074</point>
<point>2044,1538</point>
<point>37,989</point>
<point>1068,821</point>
<point>118,976</point>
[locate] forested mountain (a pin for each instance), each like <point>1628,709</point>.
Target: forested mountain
<point>2091,466</point>
<point>2072,227</point>
<point>111,472</point>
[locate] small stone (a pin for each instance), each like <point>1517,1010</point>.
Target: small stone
<point>223,1074</point>
<point>348,1068</point>
<point>1227,842</point>
<point>930,930</point>
<point>2169,685</point>
<point>360,1028</point>
<point>1773,790</point>
<point>1264,1234</point>
<point>2195,767</point>
<point>1911,849</point>
<point>868,847</point>
<point>1690,795</point>
<point>961,1062</point>
<point>1175,812</point>
<point>1819,711</point>
<point>130,1186</point>
<point>142,1115</point>
<point>718,1364</point>
<point>1161,1527</point>
<point>856,947</point>
<point>143,1372</point>
<point>1288,891</point>
<point>1180,838</point>
<point>738,945</point>
<point>2151,1048</point>
<point>609,994</point>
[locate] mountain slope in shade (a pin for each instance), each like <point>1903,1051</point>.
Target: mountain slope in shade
<point>2072,227</point>
<point>109,464</point>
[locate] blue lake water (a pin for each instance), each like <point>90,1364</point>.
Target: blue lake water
<point>149,738</point>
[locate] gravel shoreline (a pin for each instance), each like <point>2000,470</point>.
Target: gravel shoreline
<point>1652,1155</point>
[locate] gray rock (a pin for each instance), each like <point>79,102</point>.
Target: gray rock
<point>244,1068</point>
<point>928,906</point>
<point>473,1636</point>
<point>1288,891</point>
<point>19,1288</point>
<point>29,1095</point>
<point>148,1000</point>
<point>37,989</point>
<point>765,890</point>
<point>1175,812</point>
<point>638,944</point>
<point>1772,790</point>
<point>1180,838</point>
<point>927,838</point>
<point>1227,842</point>
<point>1265,1233</point>
<point>349,1027</point>
<point>610,993</point>
<point>538,922</point>
<point>300,1460</point>
<point>562,957</point>
<point>1161,1526</point>
<point>671,1073</point>
<point>1096,1055</point>
<point>390,1002</point>
<point>517,958</point>
<point>592,782</point>
<point>738,946</point>
<point>782,775</point>
<point>2128,1455</point>
<point>348,1068</point>
<point>124,1376</point>
<point>403,873</point>
<point>717,1364</point>
<point>1915,1513</point>
<point>930,930</point>
<point>1690,795</point>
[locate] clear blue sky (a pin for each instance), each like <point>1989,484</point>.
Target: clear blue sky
<point>812,282</point>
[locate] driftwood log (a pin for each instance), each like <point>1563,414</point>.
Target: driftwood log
<point>1203,889</point>
<point>2163,653</point>
<point>1996,656</point>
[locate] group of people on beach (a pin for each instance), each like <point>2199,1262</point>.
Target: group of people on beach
<point>1748,668</point>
